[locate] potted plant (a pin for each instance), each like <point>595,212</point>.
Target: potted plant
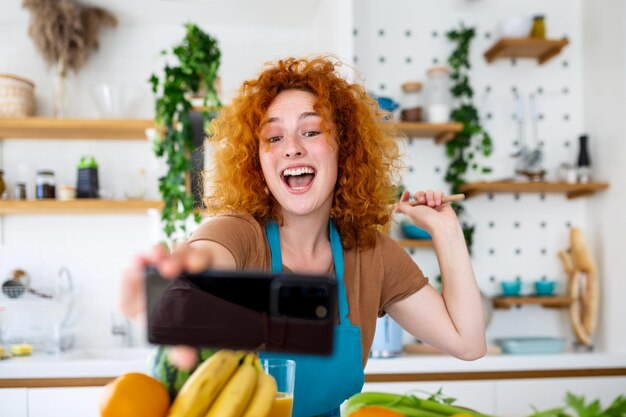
<point>473,141</point>
<point>194,73</point>
<point>65,33</point>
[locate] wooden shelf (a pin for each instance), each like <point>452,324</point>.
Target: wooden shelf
<point>549,302</point>
<point>78,206</point>
<point>540,49</point>
<point>415,243</point>
<point>441,132</point>
<point>570,190</point>
<point>51,128</point>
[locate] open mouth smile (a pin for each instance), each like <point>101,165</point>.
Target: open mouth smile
<point>298,179</point>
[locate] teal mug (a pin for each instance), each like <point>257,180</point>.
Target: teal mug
<point>544,287</point>
<point>511,288</point>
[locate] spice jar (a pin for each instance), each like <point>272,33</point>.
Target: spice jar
<point>2,184</point>
<point>438,97</point>
<point>538,29</point>
<point>20,191</point>
<point>411,102</point>
<point>46,185</point>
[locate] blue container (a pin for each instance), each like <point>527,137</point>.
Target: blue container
<point>511,288</point>
<point>412,231</point>
<point>387,104</point>
<point>387,339</point>
<point>544,288</point>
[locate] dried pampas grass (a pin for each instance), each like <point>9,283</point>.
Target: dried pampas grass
<point>64,32</point>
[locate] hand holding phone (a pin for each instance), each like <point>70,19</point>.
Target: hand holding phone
<point>243,310</point>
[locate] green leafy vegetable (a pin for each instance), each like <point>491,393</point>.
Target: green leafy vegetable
<point>576,406</point>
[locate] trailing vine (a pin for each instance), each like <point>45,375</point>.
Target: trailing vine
<point>473,140</point>
<point>195,72</point>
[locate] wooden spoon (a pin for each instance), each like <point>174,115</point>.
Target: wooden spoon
<point>446,199</point>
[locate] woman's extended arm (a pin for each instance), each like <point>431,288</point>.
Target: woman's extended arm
<point>452,321</point>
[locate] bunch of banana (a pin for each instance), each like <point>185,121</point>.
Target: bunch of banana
<point>228,384</point>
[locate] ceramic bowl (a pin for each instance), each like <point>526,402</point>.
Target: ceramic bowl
<point>387,104</point>
<point>544,288</point>
<point>511,288</point>
<point>515,27</point>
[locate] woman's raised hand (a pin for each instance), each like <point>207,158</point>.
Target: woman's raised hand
<point>170,265</point>
<point>431,212</point>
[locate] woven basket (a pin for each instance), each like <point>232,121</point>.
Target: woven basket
<point>17,96</point>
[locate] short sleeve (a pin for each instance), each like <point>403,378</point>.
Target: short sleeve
<point>240,234</point>
<point>402,276</point>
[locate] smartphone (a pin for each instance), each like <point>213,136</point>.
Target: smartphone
<point>293,313</point>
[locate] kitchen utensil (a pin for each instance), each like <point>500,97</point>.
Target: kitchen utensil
<point>530,345</point>
<point>446,199</point>
<point>530,155</point>
<point>13,289</point>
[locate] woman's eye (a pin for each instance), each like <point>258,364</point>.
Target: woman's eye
<point>311,133</point>
<point>274,139</point>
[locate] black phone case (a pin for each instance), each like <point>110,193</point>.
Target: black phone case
<point>243,310</point>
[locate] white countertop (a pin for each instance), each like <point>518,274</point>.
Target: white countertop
<point>97,363</point>
<point>494,363</point>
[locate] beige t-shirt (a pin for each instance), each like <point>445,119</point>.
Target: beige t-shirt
<point>374,278</point>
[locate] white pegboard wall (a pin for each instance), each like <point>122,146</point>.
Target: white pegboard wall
<point>517,236</point>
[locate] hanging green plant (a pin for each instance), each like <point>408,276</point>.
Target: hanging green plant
<point>195,73</point>
<point>473,140</point>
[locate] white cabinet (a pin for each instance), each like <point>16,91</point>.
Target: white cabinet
<point>515,397</point>
<point>478,395</point>
<point>13,402</point>
<point>64,402</point>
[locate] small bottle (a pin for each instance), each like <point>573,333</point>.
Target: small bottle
<point>46,185</point>
<point>20,191</point>
<point>411,102</point>
<point>584,162</point>
<point>538,29</point>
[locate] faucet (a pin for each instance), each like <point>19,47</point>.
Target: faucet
<point>122,328</point>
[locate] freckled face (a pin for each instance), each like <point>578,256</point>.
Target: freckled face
<point>298,158</point>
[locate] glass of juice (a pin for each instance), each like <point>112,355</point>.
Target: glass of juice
<point>284,372</point>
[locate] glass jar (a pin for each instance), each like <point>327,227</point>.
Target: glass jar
<point>411,102</point>
<point>2,184</point>
<point>538,29</point>
<point>20,191</point>
<point>46,185</point>
<point>438,96</point>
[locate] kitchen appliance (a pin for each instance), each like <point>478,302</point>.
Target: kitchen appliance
<point>387,338</point>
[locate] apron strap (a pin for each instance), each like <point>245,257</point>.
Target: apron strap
<point>273,238</point>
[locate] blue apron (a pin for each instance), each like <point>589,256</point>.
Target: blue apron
<point>324,382</point>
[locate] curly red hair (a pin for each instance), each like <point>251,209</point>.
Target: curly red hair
<point>368,155</point>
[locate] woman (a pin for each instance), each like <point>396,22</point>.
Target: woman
<point>302,181</point>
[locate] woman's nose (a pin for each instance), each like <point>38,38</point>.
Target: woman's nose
<point>294,147</point>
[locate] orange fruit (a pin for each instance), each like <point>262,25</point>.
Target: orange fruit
<point>134,395</point>
<point>375,411</point>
